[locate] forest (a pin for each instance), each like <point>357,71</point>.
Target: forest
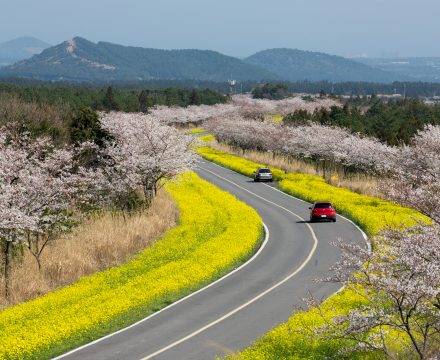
<point>393,122</point>
<point>65,112</point>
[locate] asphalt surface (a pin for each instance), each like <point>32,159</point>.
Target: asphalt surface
<point>231,314</point>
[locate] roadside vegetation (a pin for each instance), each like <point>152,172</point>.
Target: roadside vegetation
<point>103,240</point>
<point>207,138</point>
<point>216,233</point>
<point>47,190</point>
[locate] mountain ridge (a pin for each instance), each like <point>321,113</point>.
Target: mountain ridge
<point>79,59</point>
<point>20,48</point>
<point>295,65</point>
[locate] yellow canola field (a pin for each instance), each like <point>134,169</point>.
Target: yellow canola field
<point>196,131</point>
<point>216,232</point>
<point>206,138</point>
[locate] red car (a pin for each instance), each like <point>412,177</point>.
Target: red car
<point>322,210</point>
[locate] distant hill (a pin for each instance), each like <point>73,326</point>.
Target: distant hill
<point>419,68</point>
<point>81,60</point>
<point>294,65</point>
<point>20,48</point>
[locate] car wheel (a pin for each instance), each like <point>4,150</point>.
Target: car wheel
<point>271,180</point>
<point>312,220</point>
<point>255,180</point>
<point>334,220</point>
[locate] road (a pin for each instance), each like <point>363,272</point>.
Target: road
<point>232,313</point>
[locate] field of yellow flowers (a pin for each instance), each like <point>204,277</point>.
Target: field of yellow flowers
<point>216,232</point>
<point>206,138</point>
<point>294,339</point>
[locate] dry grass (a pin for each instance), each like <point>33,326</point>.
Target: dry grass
<point>359,183</point>
<point>104,241</point>
<point>36,118</point>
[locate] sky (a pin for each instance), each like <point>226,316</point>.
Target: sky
<point>351,28</point>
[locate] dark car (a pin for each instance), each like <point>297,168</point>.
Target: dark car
<point>263,174</point>
<point>322,211</point>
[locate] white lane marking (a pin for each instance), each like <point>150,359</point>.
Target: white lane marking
<point>232,312</point>
<point>263,245</point>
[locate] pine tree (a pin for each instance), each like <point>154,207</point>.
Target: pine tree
<point>109,101</point>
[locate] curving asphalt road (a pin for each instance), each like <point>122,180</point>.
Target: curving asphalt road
<point>232,313</point>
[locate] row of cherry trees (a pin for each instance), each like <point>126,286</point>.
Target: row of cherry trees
<point>322,144</point>
<point>401,278</point>
<point>242,105</point>
<point>43,188</point>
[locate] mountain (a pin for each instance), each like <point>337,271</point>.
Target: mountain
<point>420,68</point>
<point>294,65</point>
<point>20,48</point>
<point>81,60</point>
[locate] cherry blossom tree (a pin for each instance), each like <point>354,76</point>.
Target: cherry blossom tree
<point>37,189</point>
<point>247,134</point>
<point>415,179</point>
<point>144,151</point>
<point>242,105</point>
<point>400,279</point>
<point>245,105</point>
<point>400,284</point>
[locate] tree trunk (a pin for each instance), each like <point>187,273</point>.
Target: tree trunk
<point>8,267</point>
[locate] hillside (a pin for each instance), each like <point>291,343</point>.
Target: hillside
<point>81,60</point>
<point>294,65</point>
<point>419,68</point>
<point>20,48</point>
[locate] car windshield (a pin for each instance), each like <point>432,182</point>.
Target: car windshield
<point>264,171</point>
<point>323,205</point>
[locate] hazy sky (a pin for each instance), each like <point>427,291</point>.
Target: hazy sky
<point>238,28</point>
